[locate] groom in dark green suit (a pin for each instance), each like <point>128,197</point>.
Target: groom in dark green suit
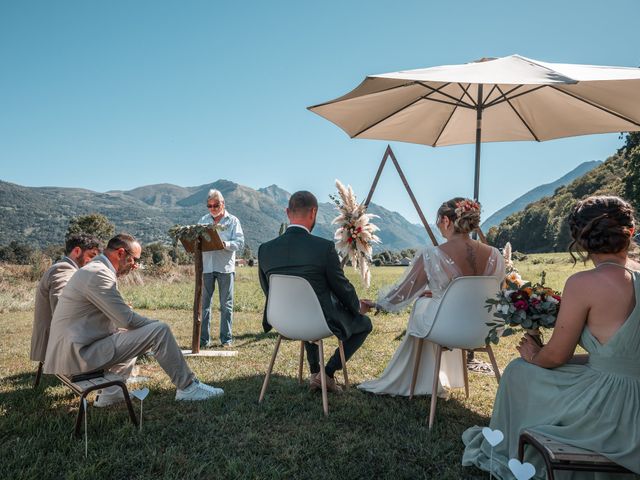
<point>315,259</point>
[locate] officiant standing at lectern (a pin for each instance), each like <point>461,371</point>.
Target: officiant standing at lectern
<point>220,266</point>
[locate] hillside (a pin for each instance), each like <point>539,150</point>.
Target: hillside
<point>39,216</point>
<point>542,227</point>
<point>538,193</point>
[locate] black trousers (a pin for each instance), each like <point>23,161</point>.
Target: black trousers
<point>360,329</point>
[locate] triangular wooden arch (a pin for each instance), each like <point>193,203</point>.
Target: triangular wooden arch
<point>389,153</point>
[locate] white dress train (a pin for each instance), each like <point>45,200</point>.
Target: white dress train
<point>433,264</point>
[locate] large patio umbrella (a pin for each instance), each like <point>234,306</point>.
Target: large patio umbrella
<point>490,100</point>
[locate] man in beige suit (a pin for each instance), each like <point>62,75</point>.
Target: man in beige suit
<point>93,328</point>
<point>79,249</point>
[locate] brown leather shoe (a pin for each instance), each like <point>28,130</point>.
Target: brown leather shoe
<point>332,386</point>
<point>313,385</point>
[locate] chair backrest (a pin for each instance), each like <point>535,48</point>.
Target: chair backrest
<point>461,319</point>
<point>293,309</point>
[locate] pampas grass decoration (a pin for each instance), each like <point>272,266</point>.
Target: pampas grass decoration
<point>506,253</point>
<point>355,234</point>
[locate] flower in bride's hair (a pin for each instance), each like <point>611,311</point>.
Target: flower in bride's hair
<point>466,205</point>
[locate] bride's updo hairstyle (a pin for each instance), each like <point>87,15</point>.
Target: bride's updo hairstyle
<point>600,224</point>
<point>463,212</point>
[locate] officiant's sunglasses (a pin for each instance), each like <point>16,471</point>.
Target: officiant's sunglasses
<point>136,260</point>
<point>213,205</point>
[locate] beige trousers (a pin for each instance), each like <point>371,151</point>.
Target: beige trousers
<point>157,338</point>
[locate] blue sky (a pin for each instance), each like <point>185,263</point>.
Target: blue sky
<point>115,95</point>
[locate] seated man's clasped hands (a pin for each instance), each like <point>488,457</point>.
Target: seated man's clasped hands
<point>424,283</point>
<point>93,328</point>
<point>592,405</point>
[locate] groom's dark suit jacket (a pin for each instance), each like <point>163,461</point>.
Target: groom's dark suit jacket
<point>315,259</point>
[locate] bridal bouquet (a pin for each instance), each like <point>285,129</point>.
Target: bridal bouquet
<point>355,235</point>
<point>521,305</point>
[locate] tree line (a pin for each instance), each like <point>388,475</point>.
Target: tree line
<point>154,255</point>
<point>542,225</point>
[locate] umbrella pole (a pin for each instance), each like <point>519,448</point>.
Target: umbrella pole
<point>389,153</point>
<point>476,181</point>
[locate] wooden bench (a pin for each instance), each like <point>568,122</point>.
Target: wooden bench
<point>560,456</point>
<point>84,384</point>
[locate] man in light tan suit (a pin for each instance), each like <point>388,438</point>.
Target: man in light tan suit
<point>79,249</point>
<point>93,328</point>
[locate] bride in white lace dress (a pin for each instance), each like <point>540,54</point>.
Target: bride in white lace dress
<point>424,282</point>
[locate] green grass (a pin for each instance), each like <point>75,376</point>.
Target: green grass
<point>286,437</point>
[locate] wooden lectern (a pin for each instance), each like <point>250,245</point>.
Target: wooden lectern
<point>196,247</point>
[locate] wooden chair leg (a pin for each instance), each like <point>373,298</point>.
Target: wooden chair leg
<point>416,365</point>
<point>38,375</point>
<point>434,389</point>
<point>273,360</point>
<point>465,373</point>
<point>344,364</point>
<point>301,366</point>
<point>494,364</point>
<point>323,380</point>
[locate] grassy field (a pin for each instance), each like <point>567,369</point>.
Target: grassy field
<point>286,437</point>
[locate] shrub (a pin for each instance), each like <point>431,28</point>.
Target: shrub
<point>38,264</point>
<point>94,224</point>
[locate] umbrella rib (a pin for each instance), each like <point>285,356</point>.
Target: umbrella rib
<point>466,92</point>
<point>493,89</point>
<point>437,100</point>
<point>386,117</point>
<point>404,107</point>
<point>434,90</point>
<point>435,142</point>
<point>503,98</point>
<point>595,105</point>
<point>336,100</point>
<point>519,116</point>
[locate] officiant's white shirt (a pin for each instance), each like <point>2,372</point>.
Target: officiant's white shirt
<point>223,261</point>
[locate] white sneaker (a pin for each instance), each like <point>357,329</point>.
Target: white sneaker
<point>109,396</point>
<point>198,391</point>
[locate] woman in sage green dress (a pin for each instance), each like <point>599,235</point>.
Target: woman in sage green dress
<point>592,401</point>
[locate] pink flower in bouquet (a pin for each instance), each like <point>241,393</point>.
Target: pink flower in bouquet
<point>519,295</point>
<point>521,305</point>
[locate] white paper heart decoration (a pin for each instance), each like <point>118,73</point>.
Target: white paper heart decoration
<point>494,437</point>
<point>522,471</point>
<point>140,394</point>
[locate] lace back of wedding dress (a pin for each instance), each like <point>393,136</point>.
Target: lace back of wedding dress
<point>431,269</point>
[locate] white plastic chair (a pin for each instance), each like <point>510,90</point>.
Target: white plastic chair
<point>294,311</point>
<point>460,322</point>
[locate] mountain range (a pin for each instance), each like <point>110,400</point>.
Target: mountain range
<point>537,193</point>
<point>40,215</point>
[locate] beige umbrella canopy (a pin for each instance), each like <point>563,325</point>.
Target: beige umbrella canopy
<point>491,100</point>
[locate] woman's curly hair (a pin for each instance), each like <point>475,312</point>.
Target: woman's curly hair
<point>600,224</point>
<point>463,212</point>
